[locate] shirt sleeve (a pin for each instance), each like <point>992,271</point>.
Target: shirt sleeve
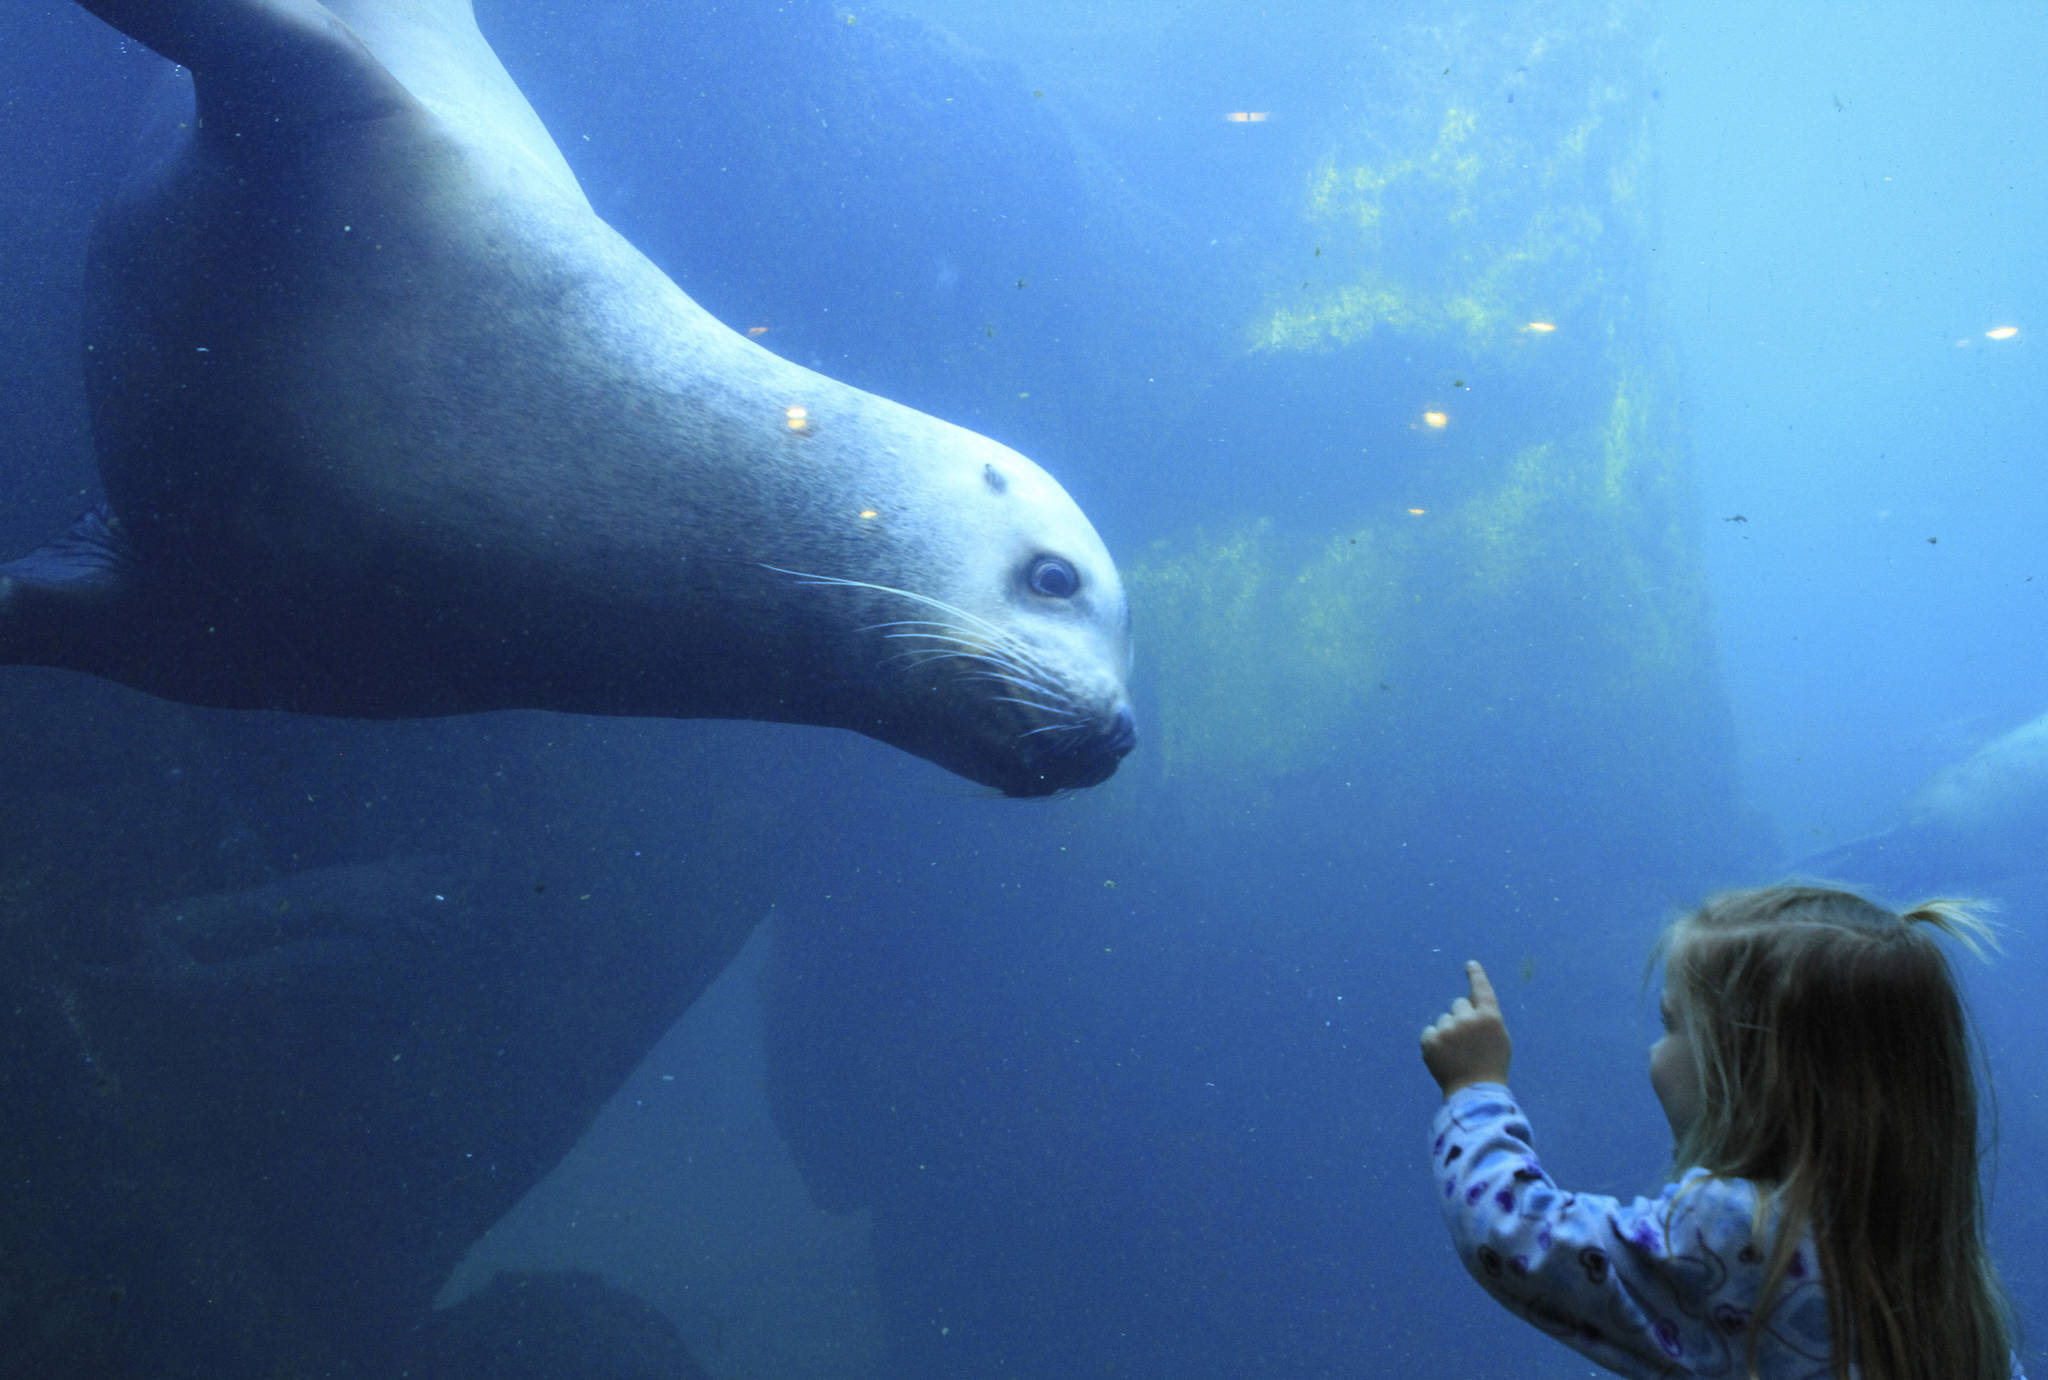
<point>1656,1288</point>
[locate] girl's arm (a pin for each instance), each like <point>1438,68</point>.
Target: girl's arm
<point>1654,1288</point>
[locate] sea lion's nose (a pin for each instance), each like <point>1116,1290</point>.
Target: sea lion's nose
<point>1089,760</point>
<point>1122,735</point>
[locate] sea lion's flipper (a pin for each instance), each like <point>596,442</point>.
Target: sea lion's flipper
<point>262,65</point>
<point>60,605</point>
<point>264,68</point>
<point>85,603</point>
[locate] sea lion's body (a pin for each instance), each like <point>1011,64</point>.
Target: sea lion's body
<point>1977,820</point>
<point>391,423</point>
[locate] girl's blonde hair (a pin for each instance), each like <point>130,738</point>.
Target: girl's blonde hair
<point>1835,1066</point>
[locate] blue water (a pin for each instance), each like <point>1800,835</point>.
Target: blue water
<point>1125,1084</point>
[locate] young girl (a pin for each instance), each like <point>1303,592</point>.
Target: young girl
<point>1815,1068</point>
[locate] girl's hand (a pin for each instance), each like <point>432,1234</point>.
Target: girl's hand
<point>1469,1043</point>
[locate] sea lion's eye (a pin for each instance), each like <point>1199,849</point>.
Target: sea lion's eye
<point>1054,578</point>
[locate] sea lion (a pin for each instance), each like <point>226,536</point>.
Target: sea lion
<point>1977,820</point>
<point>391,423</point>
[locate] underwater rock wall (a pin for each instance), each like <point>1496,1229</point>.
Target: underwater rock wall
<point>1491,567</point>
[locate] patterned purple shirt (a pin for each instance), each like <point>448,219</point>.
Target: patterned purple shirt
<point>1657,1288</point>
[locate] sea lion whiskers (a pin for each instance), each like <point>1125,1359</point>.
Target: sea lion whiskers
<point>1048,701</point>
<point>1000,669</point>
<point>971,650</point>
<point>1006,666</point>
<point>1003,648</point>
<point>1049,709</point>
<point>1053,728</point>
<point>974,646</point>
<point>806,577</point>
<point>978,641</point>
<point>1024,683</point>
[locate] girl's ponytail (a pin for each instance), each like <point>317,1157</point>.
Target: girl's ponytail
<point>1962,921</point>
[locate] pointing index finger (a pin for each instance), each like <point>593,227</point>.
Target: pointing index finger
<point>1482,988</point>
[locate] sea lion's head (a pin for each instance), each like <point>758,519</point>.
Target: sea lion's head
<point>990,627</point>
